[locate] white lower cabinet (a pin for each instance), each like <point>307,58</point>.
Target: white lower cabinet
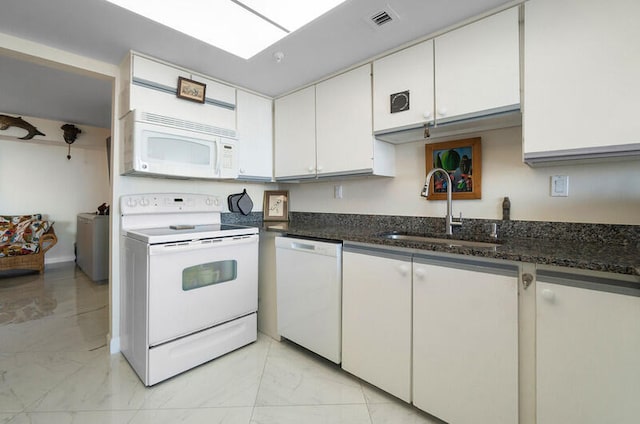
<point>587,350</point>
<point>465,340</point>
<point>376,318</point>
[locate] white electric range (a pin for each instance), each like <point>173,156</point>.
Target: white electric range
<point>190,283</point>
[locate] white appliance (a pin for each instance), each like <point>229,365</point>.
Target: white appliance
<point>309,293</point>
<point>190,283</point>
<point>159,145</point>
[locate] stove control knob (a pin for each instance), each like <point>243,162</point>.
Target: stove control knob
<point>131,202</point>
<point>144,201</point>
<point>216,201</point>
<point>209,201</point>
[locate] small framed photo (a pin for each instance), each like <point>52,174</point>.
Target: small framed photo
<point>462,159</point>
<point>191,90</point>
<point>276,205</point>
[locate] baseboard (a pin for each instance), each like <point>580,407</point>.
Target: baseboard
<point>114,344</point>
<point>58,259</point>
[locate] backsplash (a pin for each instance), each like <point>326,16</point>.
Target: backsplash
<point>614,234</point>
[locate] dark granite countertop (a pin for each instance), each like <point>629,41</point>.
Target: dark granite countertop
<point>597,247</point>
<point>621,259</point>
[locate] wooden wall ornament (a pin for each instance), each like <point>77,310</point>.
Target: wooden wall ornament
<point>7,121</point>
<point>70,135</point>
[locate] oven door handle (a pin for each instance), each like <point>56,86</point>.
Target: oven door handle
<point>159,249</point>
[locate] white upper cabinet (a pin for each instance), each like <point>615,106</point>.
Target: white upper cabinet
<point>255,137</point>
<point>581,68</point>
<point>326,130</point>
<point>469,72</point>
<point>344,139</point>
<point>295,135</point>
<point>477,68</point>
<point>404,79</point>
<point>152,85</point>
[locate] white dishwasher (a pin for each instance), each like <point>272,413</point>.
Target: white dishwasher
<point>309,293</point>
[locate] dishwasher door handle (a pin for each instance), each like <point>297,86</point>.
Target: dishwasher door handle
<point>302,246</point>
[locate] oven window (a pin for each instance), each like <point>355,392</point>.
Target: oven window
<point>208,274</point>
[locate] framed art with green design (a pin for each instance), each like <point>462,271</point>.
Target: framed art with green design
<point>462,159</point>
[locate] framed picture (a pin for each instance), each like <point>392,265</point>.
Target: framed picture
<point>191,90</point>
<point>276,205</point>
<point>462,159</point>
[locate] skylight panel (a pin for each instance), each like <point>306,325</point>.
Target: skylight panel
<point>240,27</point>
<point>291,14</point>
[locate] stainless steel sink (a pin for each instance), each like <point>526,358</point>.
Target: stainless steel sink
<point>442,241</point>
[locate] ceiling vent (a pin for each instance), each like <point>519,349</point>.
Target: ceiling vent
<point>382,18</point>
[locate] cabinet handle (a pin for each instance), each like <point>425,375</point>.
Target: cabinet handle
<point>419,274</point>
<point>527,279</point>
<point>319,169</point>
<point>403,270</point>
<point>442,111</point>
<point>548,295</point>
<point>427,114</point>
<point>311,169</point>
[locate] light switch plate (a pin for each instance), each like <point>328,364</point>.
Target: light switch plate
<point>337,192</point>
<point>560,186</point>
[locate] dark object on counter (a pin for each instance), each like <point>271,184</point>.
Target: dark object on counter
<point>506,209</point>
<point>103,209</point>
<point>240,203</point>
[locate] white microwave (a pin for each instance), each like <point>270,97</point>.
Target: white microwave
<point>161,146</point>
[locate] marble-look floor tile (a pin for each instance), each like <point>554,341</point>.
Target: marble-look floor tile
<point>5,418</point>
<point>399,413</point>
<point>82,417</point>
<point>372,394</point>
<point>296,377</point>
<point>230,380</point>
<point>83,332</point>
<point>315,414</point>
<point>27,376</point>
<point>194,416</point>
<point>107,382</point>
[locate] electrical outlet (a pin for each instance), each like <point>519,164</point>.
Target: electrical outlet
<point>560,186</point>
<point>337,192</point>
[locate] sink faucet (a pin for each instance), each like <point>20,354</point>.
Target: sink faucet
<point>450,221</point>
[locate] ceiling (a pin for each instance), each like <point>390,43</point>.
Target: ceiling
<point>102,31</point>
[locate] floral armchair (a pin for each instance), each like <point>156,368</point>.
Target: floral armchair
<point>24,239</point>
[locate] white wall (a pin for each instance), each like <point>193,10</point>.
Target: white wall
<point>598,193</point>
<point>37,177</point>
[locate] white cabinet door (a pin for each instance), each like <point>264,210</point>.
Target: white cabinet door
<point>409,70</point>
<point>587,350</point>
<point>153,88</point>
<point>153,72</point>
<point>465,343</point>
<point>344,138</point>
<point>376,319</point>
<point>477,68</point>
<point>255,137</point>
<point>581,67</point>
<point>295,135</point>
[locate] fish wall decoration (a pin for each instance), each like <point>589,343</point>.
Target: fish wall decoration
<point>7,121</point>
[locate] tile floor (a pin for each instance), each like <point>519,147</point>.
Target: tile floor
<point>55,369</point>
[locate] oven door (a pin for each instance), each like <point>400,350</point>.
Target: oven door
<point>196,285</point>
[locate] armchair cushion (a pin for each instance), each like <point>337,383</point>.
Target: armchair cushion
<point>21,234</point>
